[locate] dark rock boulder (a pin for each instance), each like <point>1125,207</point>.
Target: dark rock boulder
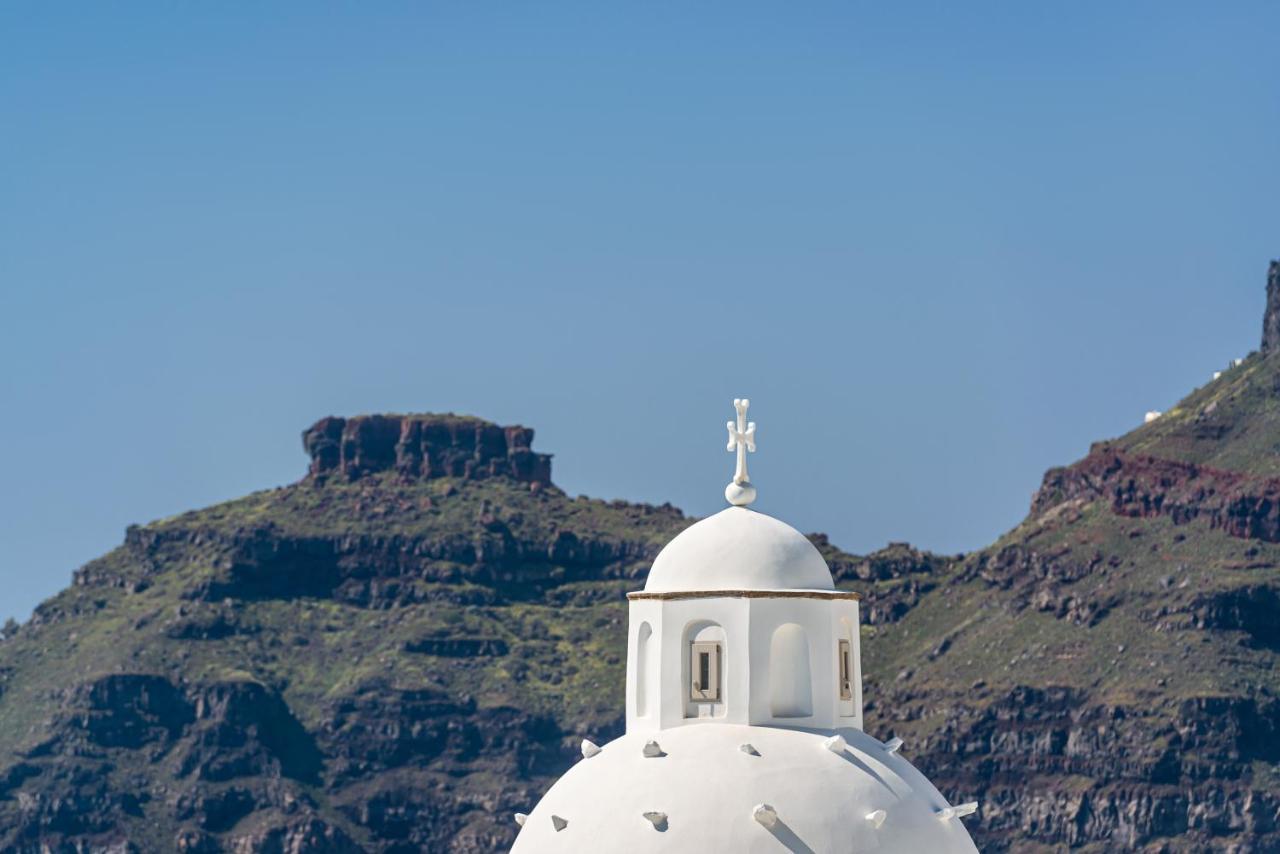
<point>1253,609</point>
<point>295,835</point>
<point>216,810</point>
<point>242,729</point>
<point>129,710</point>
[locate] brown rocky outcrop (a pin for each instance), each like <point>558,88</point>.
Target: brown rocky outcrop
<point>1141,486</point>
<point>1055,583</point>
<point>913,574</point>
<point>423,446</point>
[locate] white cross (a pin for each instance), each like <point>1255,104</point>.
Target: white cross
<point>742,438</point>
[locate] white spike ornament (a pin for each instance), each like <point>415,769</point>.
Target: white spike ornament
<point>765,814</point>
<point>959,811</point>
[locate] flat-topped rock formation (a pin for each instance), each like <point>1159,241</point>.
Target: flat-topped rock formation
<point>424,446</point>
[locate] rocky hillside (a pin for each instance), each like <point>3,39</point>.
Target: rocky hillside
<point>404,647</point>
<point>393,654</point>
<point>1106,674</point>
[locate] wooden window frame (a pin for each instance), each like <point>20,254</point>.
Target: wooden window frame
<point>710,693</point>
<point>845,655</point>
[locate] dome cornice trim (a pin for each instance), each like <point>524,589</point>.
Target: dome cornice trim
<point>743,594</point>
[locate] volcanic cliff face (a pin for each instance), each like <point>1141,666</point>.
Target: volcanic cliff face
<point>424,446</point>
<point>393,654</point>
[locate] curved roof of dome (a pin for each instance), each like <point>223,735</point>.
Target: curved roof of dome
<point>738,549</point>
<point>707,787</point>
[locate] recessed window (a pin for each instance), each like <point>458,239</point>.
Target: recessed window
<point>645,659</point>
<point>846,671</point>
<point>790,679</point>
<point>704,672</point>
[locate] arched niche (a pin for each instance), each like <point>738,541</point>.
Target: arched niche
<point>790,679</point>
<point>645,659</point>
<point>703,677</point>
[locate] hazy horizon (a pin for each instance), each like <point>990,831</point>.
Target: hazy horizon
<point>940,249</point>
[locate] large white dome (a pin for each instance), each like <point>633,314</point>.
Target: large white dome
<point>708,786</point>
<point>738,549</point>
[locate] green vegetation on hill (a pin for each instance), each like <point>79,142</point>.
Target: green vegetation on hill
<point>1231,423</point>
<point>1104,675</point>
<point>405,647</point>
<point>437,645</point>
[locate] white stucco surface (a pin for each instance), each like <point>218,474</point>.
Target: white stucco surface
<point>708,788</point>
<point>658,675</point>
<point>738,549</point>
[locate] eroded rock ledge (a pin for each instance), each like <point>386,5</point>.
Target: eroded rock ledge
<point>1139,486</point>
<point>423,446</point>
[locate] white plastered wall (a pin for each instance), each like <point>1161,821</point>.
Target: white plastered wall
<point>748,626</point>
<point>644,613</point>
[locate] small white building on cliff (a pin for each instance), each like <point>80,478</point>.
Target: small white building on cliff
<point>744,712</point>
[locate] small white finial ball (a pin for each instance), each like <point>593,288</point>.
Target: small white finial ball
<point>740,494</point>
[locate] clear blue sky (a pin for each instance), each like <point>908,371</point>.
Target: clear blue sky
<point>942,246</point>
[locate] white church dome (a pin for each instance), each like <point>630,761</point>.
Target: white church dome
<point>702,790</point>
<point>744,712</point>
<point>738,549</point>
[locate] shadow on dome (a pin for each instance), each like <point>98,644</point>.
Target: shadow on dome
<point>848,756</point>
<point>788,838</point>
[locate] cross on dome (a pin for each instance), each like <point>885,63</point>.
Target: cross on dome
<point>742,438</point>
